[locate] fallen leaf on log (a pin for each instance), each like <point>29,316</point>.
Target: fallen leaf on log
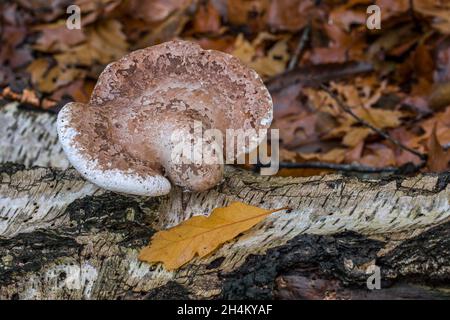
<point>201,235</point>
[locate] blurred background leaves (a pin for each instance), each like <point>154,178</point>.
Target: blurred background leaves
<point>396,78</point>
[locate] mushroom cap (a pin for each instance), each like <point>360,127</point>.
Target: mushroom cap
<point>119,140</point>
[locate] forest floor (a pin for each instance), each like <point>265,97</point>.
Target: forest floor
<point>393,75</point>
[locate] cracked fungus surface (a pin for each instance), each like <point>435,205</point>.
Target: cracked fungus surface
<point>140,100</point>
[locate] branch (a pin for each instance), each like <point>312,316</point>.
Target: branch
<point>408,168</point>
<point>300,47</point>
<point>337,167</point>
<point>316,74</point>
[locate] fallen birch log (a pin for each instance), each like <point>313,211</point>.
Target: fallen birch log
<point>63,238</point>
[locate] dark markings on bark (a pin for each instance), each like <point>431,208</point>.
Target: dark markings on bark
<point>114,213</point>
<point>10,168</point>
<point>255,279</point>
<point>416,269</point>
<point>108,212</point>
<point>170,290</point>
<point>443,181</point>
<point>423,259</point>
<point>29,252</point>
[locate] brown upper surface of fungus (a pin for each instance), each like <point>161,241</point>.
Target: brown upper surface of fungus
<point>122,140</point>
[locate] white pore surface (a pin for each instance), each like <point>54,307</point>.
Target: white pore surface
<point>267,120</point>
<point>111,179</point>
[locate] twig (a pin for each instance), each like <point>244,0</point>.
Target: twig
<point>347,109</point>
<point>300,48</point>
<point>413,15</point>
<point>314,75</point>
<point>335,166</point>
<point>405,169</point>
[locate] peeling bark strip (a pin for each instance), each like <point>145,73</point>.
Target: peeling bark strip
<point>61,237</point>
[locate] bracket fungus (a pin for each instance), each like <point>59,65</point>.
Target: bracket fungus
<point>123,139</point>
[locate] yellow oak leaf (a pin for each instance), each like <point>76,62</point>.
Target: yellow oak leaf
<point>201,235</point>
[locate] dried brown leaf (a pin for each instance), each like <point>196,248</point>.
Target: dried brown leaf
<point>200,235</point>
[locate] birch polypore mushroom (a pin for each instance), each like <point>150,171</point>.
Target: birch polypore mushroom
<point>125,138</point>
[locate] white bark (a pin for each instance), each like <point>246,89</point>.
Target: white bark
<point>62,237</point>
